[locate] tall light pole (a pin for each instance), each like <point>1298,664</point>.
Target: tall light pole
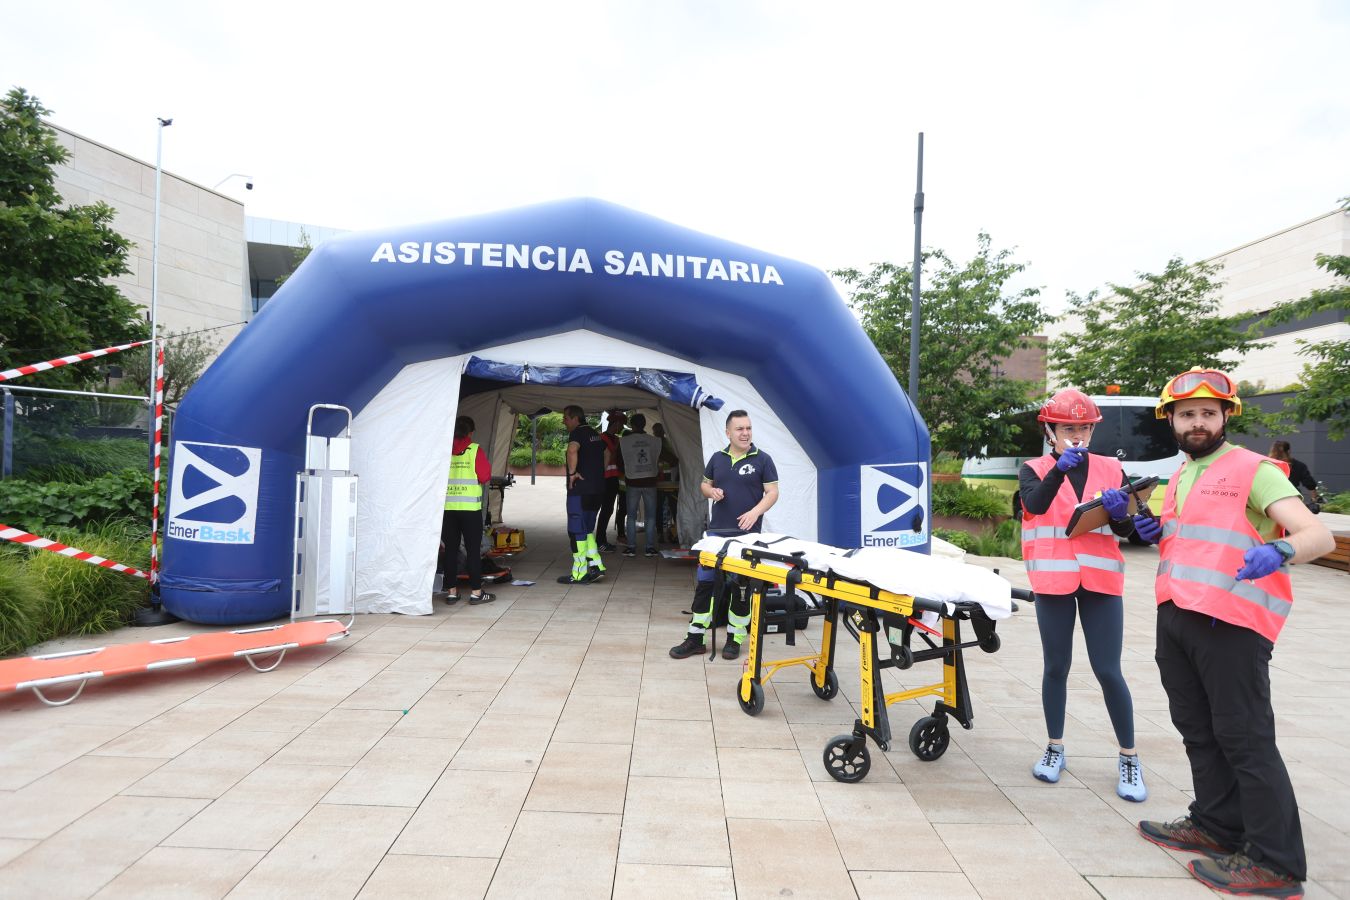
<point>155,615</point>
<point>154,273</point>
<point>914,286</point>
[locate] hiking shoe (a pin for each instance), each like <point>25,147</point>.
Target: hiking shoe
<point>650,552</point>
<point>1131,785</point>
<point>605,548</point>
<point>692,646</point>
<point>481,597</point>
<point>731,649</point>
<point>1051,764</point>
<point>1237,873</point>
<point>629,551</point>
<point>1183,834</point>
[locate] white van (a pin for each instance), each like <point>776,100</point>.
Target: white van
<point>1128,431</point>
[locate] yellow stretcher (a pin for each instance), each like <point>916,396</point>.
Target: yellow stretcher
<point>876,618</point>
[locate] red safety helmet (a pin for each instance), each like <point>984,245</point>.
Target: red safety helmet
<point>1069,406</point>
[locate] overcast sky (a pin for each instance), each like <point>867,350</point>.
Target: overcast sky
<point>1098,138</point>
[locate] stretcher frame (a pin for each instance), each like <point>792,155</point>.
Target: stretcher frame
<point>867,612</point>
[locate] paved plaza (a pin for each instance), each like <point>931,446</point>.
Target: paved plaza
<point>547,745</point>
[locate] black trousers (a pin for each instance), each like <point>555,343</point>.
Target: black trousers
<point>610,506</point>
<point>1217,678</point>
<point>464,525</point>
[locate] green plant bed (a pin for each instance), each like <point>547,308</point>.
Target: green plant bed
<point>1337,503</point>
<point>984,539</point>
<point>956,498</point>
<point>45,595</point>
<point>34,506</point>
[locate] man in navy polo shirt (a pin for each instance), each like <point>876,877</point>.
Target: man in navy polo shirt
<point>742,483</point>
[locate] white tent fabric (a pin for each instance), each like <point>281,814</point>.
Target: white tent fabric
<point>402,438</point>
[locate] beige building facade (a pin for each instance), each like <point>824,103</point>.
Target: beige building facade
<point>203,259</point>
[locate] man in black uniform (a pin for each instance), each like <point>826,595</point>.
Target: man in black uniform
<point>586,460</point>
<point>742,483</point>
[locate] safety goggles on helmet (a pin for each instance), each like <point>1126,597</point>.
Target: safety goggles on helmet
<point>1220,386</point>
<point>1198,383</point>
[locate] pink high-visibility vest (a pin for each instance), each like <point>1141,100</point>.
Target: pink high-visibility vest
<point>1202,548</point>
<point>1059,564</point>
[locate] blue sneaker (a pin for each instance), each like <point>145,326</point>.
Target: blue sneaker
<point>1131,786</point>
<point>1051,764</point>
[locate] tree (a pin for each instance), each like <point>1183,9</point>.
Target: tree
<point>298,255</point>
<point>1326,376</point>
<point>970,322</point>
<point>185,356</point>
<point>1139,337</point>
<point>54,259</point>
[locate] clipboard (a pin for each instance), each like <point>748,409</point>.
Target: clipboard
<point>1091,515</point>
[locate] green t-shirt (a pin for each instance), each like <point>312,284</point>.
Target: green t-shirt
<point>1269,485</point>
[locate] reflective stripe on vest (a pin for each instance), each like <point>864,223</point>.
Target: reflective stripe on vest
<point>463,490</point>
<point>1202,547</point>
<point>1058,564</point>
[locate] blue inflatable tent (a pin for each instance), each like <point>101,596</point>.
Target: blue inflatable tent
<point>578,301</point>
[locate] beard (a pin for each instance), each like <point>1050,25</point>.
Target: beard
<point>1198,442</point>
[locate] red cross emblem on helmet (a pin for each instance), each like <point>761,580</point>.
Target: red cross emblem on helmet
<point>1070,405</point>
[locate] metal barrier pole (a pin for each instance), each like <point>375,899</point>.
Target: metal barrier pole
<point>7,455</point>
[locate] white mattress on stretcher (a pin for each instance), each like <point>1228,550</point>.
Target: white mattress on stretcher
<point>898,571</point>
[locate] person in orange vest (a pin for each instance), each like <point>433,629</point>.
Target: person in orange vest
<point>1231,525</point>
<point>611,504</point>
<point>1081,577</point>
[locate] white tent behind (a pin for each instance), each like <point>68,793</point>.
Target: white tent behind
<point>402,441</point>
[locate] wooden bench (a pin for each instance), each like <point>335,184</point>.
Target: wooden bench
<point>1339,558</point>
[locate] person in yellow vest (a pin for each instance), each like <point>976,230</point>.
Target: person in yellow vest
<point>1231,525</point>
<point>462,521</point>
<point>1081,577</point>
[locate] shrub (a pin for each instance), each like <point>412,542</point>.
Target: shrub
<point>1337,503</point>
<point>962,539</point>
<point>520,457</point>
<point>21,605</point>
<point>39,457</point>
<point>948,463</point>
<point>33,506</point>
<point>956,498</point>
<point>85,599</point>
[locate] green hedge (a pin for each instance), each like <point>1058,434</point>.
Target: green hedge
<point>1337,503</point>
<point>34,506</point>
<point>520,456</point>
<point>956,498</point>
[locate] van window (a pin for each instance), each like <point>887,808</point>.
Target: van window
<point>1027,442</point>
<point>1131,432</point>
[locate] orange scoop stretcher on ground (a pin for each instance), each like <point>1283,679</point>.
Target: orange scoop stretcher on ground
<point>82,666</point>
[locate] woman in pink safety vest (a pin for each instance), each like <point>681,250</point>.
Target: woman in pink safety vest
<point>1078,578</point>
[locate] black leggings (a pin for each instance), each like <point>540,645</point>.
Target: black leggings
<point>1103,628</point>
<point>610,506</point>
<point>462,526</point>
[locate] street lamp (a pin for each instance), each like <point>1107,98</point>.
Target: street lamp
<point>155,615</point>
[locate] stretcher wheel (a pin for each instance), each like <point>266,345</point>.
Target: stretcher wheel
<point>904,657</point>
<point>929,738</point>
<point>831,686</point>
<point>755,705</point>
<point>847,759</point>
<point>991,643</point>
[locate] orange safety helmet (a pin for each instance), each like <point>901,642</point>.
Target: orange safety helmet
<point>1068,407</point>
<point>1199,382</point>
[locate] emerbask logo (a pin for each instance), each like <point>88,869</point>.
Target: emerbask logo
<point>893,500</point>
<point>214,495</point>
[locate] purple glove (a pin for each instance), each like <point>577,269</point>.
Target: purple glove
<point>1260,562</point>
<point>1148,528</point>
<point>1115,503</point>
<point>1070,458</point>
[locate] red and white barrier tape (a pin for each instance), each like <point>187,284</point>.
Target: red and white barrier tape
<point>154,484</point>
<point>66,360</point>
<point>20,536</point>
